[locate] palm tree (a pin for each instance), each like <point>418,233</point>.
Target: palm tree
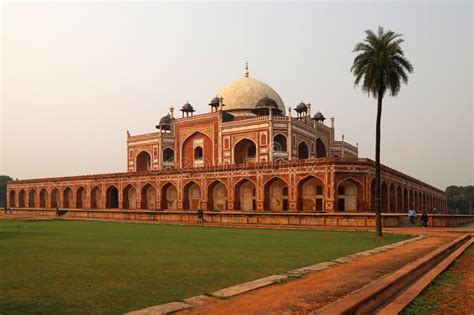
<point>380,66</point>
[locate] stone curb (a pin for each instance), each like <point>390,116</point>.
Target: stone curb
<point>405,298</point>
<point>263,282</point>
<point>248,286</point>
<point>378,292</point>
<point>162,309</point>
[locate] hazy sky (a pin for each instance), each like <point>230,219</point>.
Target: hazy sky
<point>76,76</point>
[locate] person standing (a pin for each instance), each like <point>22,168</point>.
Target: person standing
<point>424,219</point>
<point>200,215</point>
<point>412,215</point>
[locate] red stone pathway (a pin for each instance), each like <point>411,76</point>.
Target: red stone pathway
<point>317,289</point>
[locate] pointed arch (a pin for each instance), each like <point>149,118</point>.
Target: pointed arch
<point>11,198</point>
<point>112,197</point>
<point>279,143</point>
<point>55,198</point>
<point>22,199</point>
<point>96,198</point>
<point>148,197</point>
<point>192,196</point>
<point>391,198</point>
<point>310,194</point>
<point>80,198</point>
<point>67,197</point>
<point>217,196</point>
<point>245,151</point>
<point>129,197</point>
<point>168,155</point>
<point>169,197</point>
<point>320,148</point>
<point>143,161</point>
<point>43,198</point>
<point>32,198</point>
<point>205,155</point>
<point>349,195</point>
<point>384,196</point>
<point>245,195</point>
<point>276,194</point>
<point>400,205</point>
<point>303,151</point>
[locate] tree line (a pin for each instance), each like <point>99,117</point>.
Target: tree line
<point>460,199</point>
<point>4,179</point>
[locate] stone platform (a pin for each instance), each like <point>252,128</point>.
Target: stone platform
<point>359,220</point>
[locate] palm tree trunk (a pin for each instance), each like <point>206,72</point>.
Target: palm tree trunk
<point>378,216</point>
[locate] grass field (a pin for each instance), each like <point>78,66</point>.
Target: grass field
<point>110,267</point>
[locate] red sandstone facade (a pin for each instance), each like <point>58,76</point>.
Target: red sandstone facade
<point>245,155</point>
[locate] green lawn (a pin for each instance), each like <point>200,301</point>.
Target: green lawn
<point>110,267</point>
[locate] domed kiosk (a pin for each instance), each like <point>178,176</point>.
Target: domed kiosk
<point>240,97</point>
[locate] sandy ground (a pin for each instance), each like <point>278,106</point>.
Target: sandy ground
<point>317,289</point>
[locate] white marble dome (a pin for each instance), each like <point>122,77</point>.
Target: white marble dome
<point>241,96</point>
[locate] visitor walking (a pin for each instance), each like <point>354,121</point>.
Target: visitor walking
<point>200,215</point>
<point>57,212</point>
<point>424,219</point>
<point>412,215</point>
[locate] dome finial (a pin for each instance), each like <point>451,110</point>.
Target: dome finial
<point>246,69</point>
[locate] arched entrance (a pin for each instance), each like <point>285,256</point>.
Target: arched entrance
<point>279,143</point>
<point>400,205</point>
<point>96,198</point>
<point>310,194</point>
<point>143,162</point>
<point>245,151</point>
<point>384,196</point>
<point>11,198</point>
<point>67,198</point>
<point>192,196</point>
<point>148,197</point>
<point>276,195</point>
<point>245,196</point>
<point>80,198</point>
<point>22,199</point>
<point>168,155</point>
<point>129,196</point>
<point>111,198</point>
<point>406,202</point>
<point>55,198</point>
<point>43,198</point>
<point>32,198</point>
<point>320,149</point>
<point>169,197</point>
<point>303,152</point>
<point>348,196</point>
<point>217,196</point>
<point>392,198</point>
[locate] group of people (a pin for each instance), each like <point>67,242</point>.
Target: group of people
<point>8,210</point>
<point>424,216</point>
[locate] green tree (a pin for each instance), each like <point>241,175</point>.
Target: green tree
<point>460,199</point>
<point>4,179</point>
<point>380,66</point>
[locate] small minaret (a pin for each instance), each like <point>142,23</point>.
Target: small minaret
<point>343,147</point>
<point>332,122</point>
<point>221,99</point>
<point>171,112</point>
<point>309,109</point>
